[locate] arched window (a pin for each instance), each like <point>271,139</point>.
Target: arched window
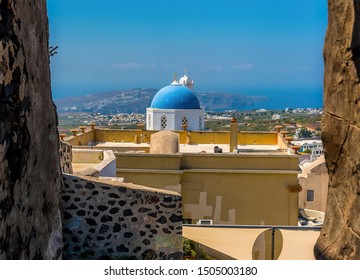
<point>184,120</point>
<point>163,122</point>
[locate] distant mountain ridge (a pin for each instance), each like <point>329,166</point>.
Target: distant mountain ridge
<point>138,99</point>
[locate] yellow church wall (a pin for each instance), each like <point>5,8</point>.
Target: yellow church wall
<point>192,137</point>
<point>237,161</point>
<point>223,137</point>
<point>82,138</point>
<point>209,137</point>
<point>239,198</point>
<point>158,180</point>
<point>257,138</point>
<point>119,135</point>
<point>148,161</point>
<point>86,156</point>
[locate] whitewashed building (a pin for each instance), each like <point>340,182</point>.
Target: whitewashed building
<point>175,106</point>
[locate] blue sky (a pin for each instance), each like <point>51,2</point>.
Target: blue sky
<point>235,46</point>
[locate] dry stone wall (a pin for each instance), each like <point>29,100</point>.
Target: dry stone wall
<point>65,153</point>
<point>30,177</point>
<point>119,221</point>
<point>340,235</point>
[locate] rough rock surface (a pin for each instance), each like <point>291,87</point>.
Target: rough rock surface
<point>340,235</point>
<point>30,225</point>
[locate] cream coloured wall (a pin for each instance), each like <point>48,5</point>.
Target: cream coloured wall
<point>240,161</point>
<point>148,161</point>
<point>239,198</point>
<point>319,184</point>
<point>159,180</point>
<point>102,163</point>
<point>87,156</point>
<point>230,189</point>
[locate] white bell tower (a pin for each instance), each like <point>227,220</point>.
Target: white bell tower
<point>186,81</point>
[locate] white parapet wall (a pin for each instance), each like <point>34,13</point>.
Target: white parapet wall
<point>107,167</point>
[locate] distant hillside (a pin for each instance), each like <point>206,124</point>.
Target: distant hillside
<point>221,101</point>
<point>137,100</point>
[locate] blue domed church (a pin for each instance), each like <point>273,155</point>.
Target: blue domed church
<point>175,106</point>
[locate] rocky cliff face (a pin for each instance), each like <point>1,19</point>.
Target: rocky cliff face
<point>30,226</point>
<point>340,236</point>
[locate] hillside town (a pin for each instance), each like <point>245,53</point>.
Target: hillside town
<point>217,161</point>
<point>255,120</point>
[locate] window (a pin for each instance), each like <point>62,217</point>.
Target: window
<point>310,195</point>
<point>184,120</point>
<point>200,122</point>
<point>163,122</point>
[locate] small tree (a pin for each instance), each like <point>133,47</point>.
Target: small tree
<point>304,133</point>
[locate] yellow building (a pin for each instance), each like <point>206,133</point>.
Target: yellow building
<point>253,181</point>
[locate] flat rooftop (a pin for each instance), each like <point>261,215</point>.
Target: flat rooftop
<point>242,149</point>
<point>200,148</point>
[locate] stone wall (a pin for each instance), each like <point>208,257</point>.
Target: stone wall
<point>65,154</point>
<point>119,221</point>
<point>30,177</point>
<point>340,235</point>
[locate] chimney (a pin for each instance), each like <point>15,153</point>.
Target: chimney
<point>233,134</point>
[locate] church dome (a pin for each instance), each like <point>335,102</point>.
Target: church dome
<point>175,96</point>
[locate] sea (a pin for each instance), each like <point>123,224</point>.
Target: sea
<point>282,98</point>
<point>277,98</point>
